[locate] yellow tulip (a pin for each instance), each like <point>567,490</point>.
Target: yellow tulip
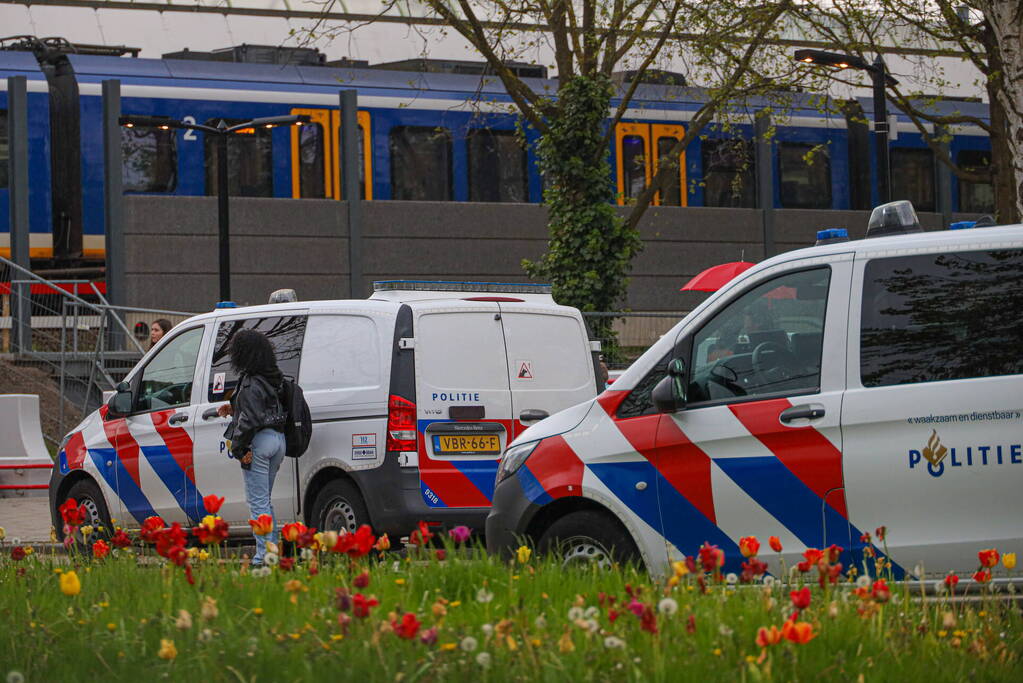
<point>1009,560</point>
<point>69,583</point>
<point>3,533</point>
<point>167,649</point>
<point>523,554</point>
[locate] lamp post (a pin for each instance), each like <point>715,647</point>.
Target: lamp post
<point>880,78</point>
<point>221,132</point>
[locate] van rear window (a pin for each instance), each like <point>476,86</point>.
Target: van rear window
<point>937,317</point>
<point>286,333</point>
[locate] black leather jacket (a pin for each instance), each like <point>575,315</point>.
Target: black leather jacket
<point>256,406</point>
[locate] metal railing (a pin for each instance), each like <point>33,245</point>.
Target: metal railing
<point>86,346</point>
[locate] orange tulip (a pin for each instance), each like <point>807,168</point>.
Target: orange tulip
<point>262,525</point>
<point>775,543</point>
<point>749,546</point>
<point>798,632</point>
<point>292,531</point>
<point>988,558</point>
<point>767,637</point>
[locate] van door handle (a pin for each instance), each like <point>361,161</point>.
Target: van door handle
<point>533,415</point>
<point>803,412</point>
<point>177,418</point>
<point>209,413</point>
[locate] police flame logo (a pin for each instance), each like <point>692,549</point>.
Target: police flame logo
<point>934,452</point>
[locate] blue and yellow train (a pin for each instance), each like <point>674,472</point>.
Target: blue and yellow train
<point>425,135</point>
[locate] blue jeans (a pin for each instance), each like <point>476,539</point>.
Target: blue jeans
<point>267,453</point>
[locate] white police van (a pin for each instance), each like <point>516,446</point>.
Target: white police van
<point>414,394</point>
<point>821,394</point>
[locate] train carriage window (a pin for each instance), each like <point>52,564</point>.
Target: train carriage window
<point>311,180</point>
<point>4,150</point>
<point>249,162</point>
<point>804,182</point>
<point>421,163</point>
<point>671,192</point>
<point>634,165</point>
<point>497,167</point>
<point>728,174</point>
<point>150,159</point>
<point>361,131</point>
<point>913,176</point>
<point>975,197</point>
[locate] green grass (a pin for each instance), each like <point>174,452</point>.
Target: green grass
<point>114,627</point>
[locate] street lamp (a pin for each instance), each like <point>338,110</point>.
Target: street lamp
<point>221,132</point>
<point>880,77</point>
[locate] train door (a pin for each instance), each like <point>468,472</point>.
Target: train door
<point>639,147</point>
<point>316,155</point>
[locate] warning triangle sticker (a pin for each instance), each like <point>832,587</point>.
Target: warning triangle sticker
<point>525,370</point>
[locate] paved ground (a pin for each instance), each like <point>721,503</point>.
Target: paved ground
<point>26,518</point>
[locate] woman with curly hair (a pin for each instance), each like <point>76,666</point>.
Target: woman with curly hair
<point>256,431</point>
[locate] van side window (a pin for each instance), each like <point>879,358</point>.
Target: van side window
<point>766,342</point>
<point>167,379</point>
<point>340,353</point>
<point>639,402</point>
<point>284,332</point>
<point>937,317</point>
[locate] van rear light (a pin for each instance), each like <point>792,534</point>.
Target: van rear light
<point>401,424</point>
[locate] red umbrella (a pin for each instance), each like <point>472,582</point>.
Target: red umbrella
<point>716,277</point>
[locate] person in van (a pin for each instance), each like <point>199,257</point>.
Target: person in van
<point>160,327</point>
<point>256,430</point>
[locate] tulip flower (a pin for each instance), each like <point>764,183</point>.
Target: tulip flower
<point>361,605</point>
<point>523,553</point>
<point>767,637</point>
<point>951,580</point>
<point>212,503</point>
<point>648,620</point>
<point>801,598</point>
<point>460,534</point>
<point>72,513</point>
<point>712,558</point>
<point>211,530</point>
<point>880,591</point>
<point>69,583</point>
<point>880,532</point>
<point>798,632</point>
<point>167,649</point>
<point>383,543</point>
<point>421,536</point>
<point>150,527</point>
<point>982,576</point>
<point>292,531</point>
<point>120,539</point>
<point>356,545</point>
<point>988,558</point>
<point>1009,560</point>
<point>362,580</point>
<point>407,627</point>
<point>262,525</point>
<point>749,546</point>
<point>100,549</point>
<point>18,553</point>
<point>775,543</point>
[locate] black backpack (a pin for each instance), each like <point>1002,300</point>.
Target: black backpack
<point>298,426</point>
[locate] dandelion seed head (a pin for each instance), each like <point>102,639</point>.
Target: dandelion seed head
<point>614,643</point>
<point>731,578</point>
<point>863,581</point>
<point>468,644</point>
<point>483,595</point>
<point>483,659</point>
<point>667,606</point>
<point>575,613</point>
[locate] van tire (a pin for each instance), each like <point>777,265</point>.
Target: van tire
<point>588,537</point>
<point>86,492</point>
<point>339,505</point>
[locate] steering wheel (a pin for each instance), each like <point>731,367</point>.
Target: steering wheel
<point>773,362</point>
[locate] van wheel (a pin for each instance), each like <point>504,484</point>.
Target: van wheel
<point>339,506</point>
<point>589,538</point>
<point>85,492</point>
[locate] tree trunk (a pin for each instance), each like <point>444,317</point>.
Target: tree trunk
<point>1003,40</point>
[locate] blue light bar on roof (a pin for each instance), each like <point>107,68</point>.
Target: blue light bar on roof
<point>450,286</point>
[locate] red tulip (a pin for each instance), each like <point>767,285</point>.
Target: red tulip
<point>421,536</point>
<point>951,580</point>
<point>865,537</point>
<point>362,605</point>
<point>767,637</point>
<point>749,546</point>
<point>801,598</point>
<point>813,556</point>
<point>988,558</point>
<point>18,553</point>
<point>982,576</point>
<point>880,591</point>
<point>287,564</point>
<point>648,620</point>
<point>880,532</point>
<point>798,632</point>
<point>441,554</point>
<point>262,525</point>
<point>168,539</point>
<point>292,531</point>
<point>775,544</point>
<point>72,513</point>
<point>212,530</point>
<point>407,627</point>
<point>120,539</point>
<point>752,568</point>
<point>150,527</point>
<point>712,558</point>
<point>100,549</point>
<point>307,538</point>
<point>362,580</point>
<point>212,504</point>
<point>342,599</point>
<point>357,544</point>
<point>691,624</point>
<point>834,552</point>
<point>803,566</point>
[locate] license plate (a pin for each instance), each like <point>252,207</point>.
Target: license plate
<point>468,444</point>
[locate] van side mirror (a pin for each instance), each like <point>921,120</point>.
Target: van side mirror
<point>120,403</point>
<point>669,395</point>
